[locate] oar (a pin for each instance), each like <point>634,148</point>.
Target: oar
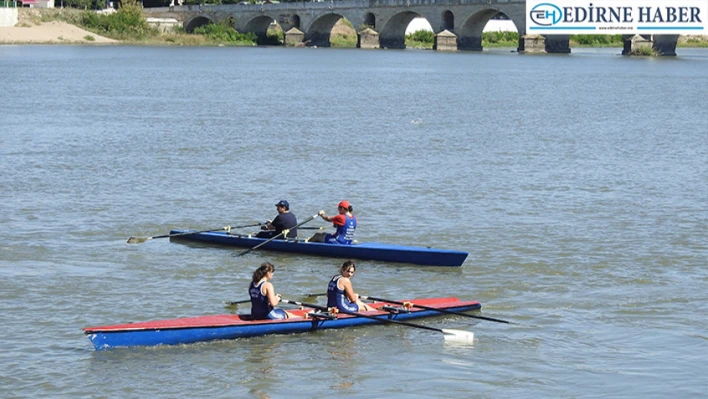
<point>140,240</point>
<point>314,295</point>
<point>231,303</point>
<point>277,235</point>
<point>447,333</point>
<point>314,228</point>
<point>435,309</point>
<point>248,300</point>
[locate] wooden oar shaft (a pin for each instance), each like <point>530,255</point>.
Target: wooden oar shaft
<point>311,305</point>
<point>276,236</point>
<point>435,309</point>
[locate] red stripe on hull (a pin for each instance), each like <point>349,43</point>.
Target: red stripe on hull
<point>235,320</point>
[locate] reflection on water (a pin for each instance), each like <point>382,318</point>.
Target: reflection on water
<point>262,357</point>
<point>459,347</point>
<point>345,360</point>
<point>259,394</point>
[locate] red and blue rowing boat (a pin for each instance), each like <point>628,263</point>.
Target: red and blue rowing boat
<point>228,326</point>
<point>364,251</point>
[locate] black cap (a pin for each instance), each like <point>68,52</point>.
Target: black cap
<point>284,204</point>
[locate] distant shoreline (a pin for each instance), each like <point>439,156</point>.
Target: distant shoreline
<point>46,26</point>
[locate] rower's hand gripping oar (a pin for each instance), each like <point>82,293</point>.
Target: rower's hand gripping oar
<point>447,333</point>
<point>410,304</point>
<point>140,240</point>
<point>284,232</point>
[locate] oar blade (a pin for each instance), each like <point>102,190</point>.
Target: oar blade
<point>137,240</point>
<point>457,335</point>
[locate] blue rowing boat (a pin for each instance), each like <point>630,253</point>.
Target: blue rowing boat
<point>363,251</point>
<point>228,326</point>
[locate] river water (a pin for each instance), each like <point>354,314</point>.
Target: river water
<point>578,184</point>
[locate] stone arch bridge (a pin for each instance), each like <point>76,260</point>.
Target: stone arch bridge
<point>457,24</point>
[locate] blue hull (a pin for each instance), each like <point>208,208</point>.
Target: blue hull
<point>204,328</point>
<point>364,251</point>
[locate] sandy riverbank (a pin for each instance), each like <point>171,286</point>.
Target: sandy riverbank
<point>50,32</point>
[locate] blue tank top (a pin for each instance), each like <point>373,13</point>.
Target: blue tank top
<point>337,299</point>
<point>260,306</point>
<point>345,234</point>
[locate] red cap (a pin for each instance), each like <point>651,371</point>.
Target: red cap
<point>344,204</point>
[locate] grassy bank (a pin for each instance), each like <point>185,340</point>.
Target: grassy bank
<point>425,39</point>
<point>596,41</point>
<point>692,41</point>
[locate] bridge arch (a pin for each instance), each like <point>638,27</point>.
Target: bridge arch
<point>470,36</point>
<point>295,21</point>
<point>393,32</point>
<point>447,21</point>
<point>320,29</point>
<point>369,20</point>
<point>201,20</point>
<point>259,25</point>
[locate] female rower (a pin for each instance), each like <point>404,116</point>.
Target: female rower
<point>263,297</point>
<point>345,223</point>
<point>340,293</point>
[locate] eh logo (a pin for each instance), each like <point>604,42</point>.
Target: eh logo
<point>546,14</point>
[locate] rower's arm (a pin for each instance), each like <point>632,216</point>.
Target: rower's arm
<point>270,294</point>
<point>324,216</point>
<point>348,290</point>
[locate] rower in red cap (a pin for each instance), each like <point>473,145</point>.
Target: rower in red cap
<point>344,222</point>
